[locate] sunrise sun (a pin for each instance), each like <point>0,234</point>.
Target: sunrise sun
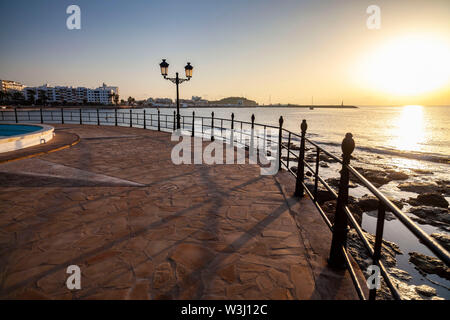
<point>409,65</point>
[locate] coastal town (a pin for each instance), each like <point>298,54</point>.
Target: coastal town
<point>16,93</point>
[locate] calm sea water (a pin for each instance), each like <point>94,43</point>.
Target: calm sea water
<point>422,130</point>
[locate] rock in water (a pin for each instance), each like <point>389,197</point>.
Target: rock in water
<point>429,199</point>
<point>443,239</point>
<point>359,252</point>
<point>397,175</point>
<point>430,215</point>
<point>370,203</point>
<point>425,290</point>
<point>400,274</point>
<point>419,187</point>
<point>429,265</point>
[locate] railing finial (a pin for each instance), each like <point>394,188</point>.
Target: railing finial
<point>303,126</point>
<point>348,145</point>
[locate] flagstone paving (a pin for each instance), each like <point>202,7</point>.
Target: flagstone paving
<point>140,227</point>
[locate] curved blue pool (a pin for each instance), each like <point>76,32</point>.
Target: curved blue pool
<point>9,130</point>
<point>18,136</point>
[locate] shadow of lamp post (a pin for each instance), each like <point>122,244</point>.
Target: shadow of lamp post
<point>177,80</point>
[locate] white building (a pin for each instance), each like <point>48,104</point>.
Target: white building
<point>8,85</point>
<point>70,95</point>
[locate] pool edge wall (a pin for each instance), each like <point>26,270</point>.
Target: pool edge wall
<point>34,138</point>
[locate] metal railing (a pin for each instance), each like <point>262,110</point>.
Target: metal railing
<point>245,133</point>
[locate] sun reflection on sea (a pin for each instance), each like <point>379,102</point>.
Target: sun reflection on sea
<point>408,130</point>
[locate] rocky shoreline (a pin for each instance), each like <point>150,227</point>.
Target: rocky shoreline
<point>428,207</point>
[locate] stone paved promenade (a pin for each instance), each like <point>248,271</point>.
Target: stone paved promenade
<point>140,227</point>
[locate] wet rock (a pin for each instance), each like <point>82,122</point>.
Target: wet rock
<point>406,291</point>
<point>422,171</point>
<point>329,208</point>
<point>399,277</point>
<point>423,187</point>
<point>443,239</point>
<point>284,158</point>
<point>425,290</point>
<point>290,145</point>
<point>429,265</point>
<point>323,195</point>
<point>400,274</point>
<point>370,203</point>
<point>431,215</point>
<point>334,182</point>
<point>376,177</point>
<point>429,199</point>
<point>324,157</point>
<point>358,250</point>
<point>397,175</point>
<point>380,177</point>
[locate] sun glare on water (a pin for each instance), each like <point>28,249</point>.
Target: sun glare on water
<point>409,66</point>
<point>408,130</point>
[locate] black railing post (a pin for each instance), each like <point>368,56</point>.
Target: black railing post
<point>232,130</point>
<point>15,115</point>
<point>115,117</point>
<point>378,243</point>
<point>299,188</point>
<point>337,259</point>
<point>81,117</point>
<point>42,116</point>
<point>193,121</point>
<point>98,117</point>
<point>316,174</point>
<point>175,118</point>
<point>131,118</point>
<point>280,141</point>
<point>145,121</point>
<point>252,136</point>
<point>159,122</point>
<point>212,126</point>
<point>62,115</point>
<point>288,150</point>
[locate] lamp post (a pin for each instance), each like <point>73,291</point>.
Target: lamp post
<point>177,80</point>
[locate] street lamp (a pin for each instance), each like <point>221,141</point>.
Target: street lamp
<point>177,80</point>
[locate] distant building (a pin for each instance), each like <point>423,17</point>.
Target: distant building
<point>163,101</point>
<point>70,95</point>
<point>198,101</point>
<point>8,85</point>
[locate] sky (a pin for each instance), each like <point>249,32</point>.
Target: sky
<point>277,51</point>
